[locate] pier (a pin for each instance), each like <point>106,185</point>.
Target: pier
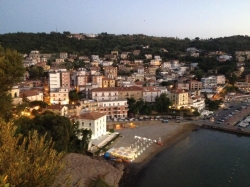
<point>231,129</point>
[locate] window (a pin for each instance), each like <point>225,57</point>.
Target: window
<point>82,123</point>
<point>90,124</point>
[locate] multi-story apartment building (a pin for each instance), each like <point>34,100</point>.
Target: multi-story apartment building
<point>114,109</point>
<point>63,55</point>
<point>59,78</point>
<point>65,79</point>
<point>95,58</point>
<point>179,98</point>
<point>73,109</point>
<point>149,93</point>
<point>182,85</point>
<point>59,96</point>
<point>209,82</point>
<point>94,64</point>
<point>110,72</point>
<point>59,60</point>
<point>195,85</point>
<point>243,85</point>
<point>97,79</point>
<point>196,102</point>
<point>108,82</point>
<point>54,80</point>
<point>152,70</point>
<point>128,92</point>
<point>88,105</point>
<point>82,80</point>
<point>247,78</point>
<point>220,79</point>
<point>113,93</point>
<point>101,94</point>
<point>94,121</point>
<point>155,62</point>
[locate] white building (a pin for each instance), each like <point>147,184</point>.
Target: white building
<point>56,79</point>
<point>209,82</point>
<point>94,121</point>
<point>101,94</point>
<point>107,63</point>
<point>166,65</point>
<point>149,93</point>
<point>197,103</point>
<point>95,58</point>
<point>220,79</point>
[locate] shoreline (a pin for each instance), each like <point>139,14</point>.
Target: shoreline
<point>133,170</point>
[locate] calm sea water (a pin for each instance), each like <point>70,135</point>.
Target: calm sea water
<point>206,158</point>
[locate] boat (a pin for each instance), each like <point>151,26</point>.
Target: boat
<point>159,142</point>
<point>243,124</point>
<point>126,160</point>
<point>116,159</point>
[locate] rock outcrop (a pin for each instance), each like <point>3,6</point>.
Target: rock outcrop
<point>79,170</point>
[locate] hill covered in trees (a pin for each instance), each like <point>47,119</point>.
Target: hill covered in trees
<point>104,43</point>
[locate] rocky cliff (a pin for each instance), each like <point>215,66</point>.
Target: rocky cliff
<point>80,171</point>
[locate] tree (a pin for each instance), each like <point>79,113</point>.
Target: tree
<point>57,127</point>
<point>162,103</point>
<point>73,96</point>
<point>29,161</point>
<point>11,71</point>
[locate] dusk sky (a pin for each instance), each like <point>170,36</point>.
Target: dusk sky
<point>170,18</point>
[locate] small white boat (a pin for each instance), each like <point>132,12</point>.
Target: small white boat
<point>243,124</point>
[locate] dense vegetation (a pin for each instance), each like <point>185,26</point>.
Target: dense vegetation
<point>105,43</point>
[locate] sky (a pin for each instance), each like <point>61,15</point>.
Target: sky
<point>167,18</point>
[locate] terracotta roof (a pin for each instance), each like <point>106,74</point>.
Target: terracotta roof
<point>55,107</point>
<point>107,79</point>
<point>178,91</point>
<point>131,88</point>
<point>91,115</point>
<point>28,93</point>
<point>150,89</point>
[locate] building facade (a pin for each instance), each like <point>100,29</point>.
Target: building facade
<point>94,121</point>
<point>114,109</point>
<point>195,85</point>
<point>149,93</point>
<point>179,98</point>
<point>59,96</point>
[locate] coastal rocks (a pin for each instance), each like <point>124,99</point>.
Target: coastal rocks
<point>82,170</point>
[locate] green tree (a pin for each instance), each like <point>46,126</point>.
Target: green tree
<point>27,161</point>
<point>57,127</point>
<point>73,96</point>
<point>162,103</point>
<point>11,69</point>
<point>11,72</point>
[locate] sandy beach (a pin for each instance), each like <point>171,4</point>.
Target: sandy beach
<point>169,134</point>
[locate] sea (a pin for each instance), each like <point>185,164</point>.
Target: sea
<point>206,158</point>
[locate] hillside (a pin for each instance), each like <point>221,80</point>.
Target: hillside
<point>104,43</point>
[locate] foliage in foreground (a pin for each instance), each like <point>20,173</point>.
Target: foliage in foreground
<point>27,161</point>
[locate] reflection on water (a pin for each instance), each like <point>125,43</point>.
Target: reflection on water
<point>206,158</point>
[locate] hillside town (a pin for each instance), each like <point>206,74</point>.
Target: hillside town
<point>105,84</point>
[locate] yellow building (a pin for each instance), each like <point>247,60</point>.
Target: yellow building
<point>179,98</point>
<point>107,82</point>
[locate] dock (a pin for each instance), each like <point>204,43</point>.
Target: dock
<point>231,129</point>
